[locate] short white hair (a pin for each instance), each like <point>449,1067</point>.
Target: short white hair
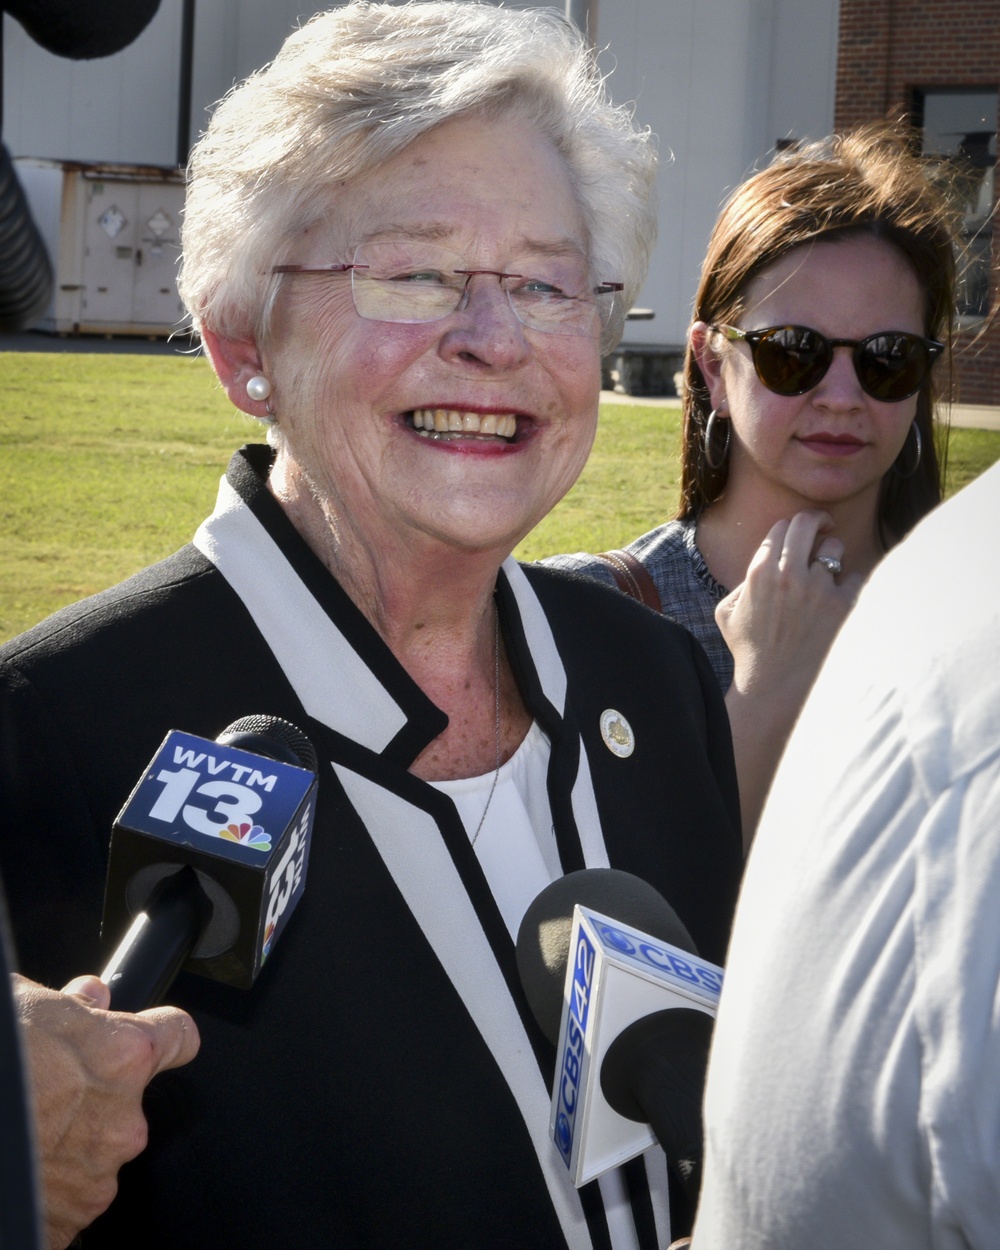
<point>355,86</point>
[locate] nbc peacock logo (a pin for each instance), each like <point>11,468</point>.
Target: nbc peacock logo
<point>247,834</point>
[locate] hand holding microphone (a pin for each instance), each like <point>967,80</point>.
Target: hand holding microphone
<point>209,855</point>
<point>87,1070</point>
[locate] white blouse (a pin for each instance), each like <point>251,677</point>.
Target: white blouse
<point>516,847</point>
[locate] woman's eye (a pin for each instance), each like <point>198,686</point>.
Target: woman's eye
<point>537,286</point>
<point>430,276</point>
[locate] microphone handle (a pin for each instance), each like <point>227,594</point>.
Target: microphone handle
<point>162,936</point>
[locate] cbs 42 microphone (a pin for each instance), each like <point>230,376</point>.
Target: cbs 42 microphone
<point>208,858</point>
<point>609,971</point>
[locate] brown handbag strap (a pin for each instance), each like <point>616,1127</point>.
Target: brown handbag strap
<point>632,577</point>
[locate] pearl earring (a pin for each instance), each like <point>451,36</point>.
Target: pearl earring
<point>258,387</point>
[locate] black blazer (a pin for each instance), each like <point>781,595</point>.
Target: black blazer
<point>383,1084</point>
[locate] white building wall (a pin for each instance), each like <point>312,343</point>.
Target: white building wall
<point>232,39</point>
<point>120,108</point>
<point>718,81</point>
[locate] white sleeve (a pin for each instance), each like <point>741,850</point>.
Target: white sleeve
<point>958,1005</point>
<point>853,1094</point>
<point>814,1082</point>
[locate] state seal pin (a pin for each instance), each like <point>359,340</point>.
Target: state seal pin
<point>617,733</point>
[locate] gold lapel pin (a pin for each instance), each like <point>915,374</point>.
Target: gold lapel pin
<point>617,733</point>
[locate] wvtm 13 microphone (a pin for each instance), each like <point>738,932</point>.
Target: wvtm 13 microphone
<point>208,858</point>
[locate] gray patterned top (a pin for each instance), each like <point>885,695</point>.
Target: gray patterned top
<point>688,591</point>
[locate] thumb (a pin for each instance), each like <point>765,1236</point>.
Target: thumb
<point>91,991</point>
<point>174,1036</point>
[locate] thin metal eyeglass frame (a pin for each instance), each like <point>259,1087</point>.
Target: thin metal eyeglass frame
<point>754,338</point>
<point>603,288</point>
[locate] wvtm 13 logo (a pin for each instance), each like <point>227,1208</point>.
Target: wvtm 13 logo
<point>224,806</point>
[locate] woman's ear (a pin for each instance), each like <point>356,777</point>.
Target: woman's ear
<point>702,339</point>
<point>235,362</point>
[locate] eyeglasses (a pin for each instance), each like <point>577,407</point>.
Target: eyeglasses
<point>414,282</point>
<point>790,360</point>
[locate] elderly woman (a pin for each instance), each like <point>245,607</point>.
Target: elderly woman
<point>406,243</point>
<point>827,294</point>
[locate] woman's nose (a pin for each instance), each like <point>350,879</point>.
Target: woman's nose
<point>485,327</point>
<point>839,386</point>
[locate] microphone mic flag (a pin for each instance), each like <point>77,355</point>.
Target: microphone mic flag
<point>208,858</point>
<point>606,961</point>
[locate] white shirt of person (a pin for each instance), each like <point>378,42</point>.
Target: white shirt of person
<point>853,1097</point>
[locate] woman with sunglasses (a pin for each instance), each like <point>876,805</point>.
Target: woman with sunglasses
<point>809,448</point>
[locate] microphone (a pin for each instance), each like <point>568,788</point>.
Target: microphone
<point>208,858</point>
<point>613,978</point>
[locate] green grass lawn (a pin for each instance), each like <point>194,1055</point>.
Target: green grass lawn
<point>111,461</point>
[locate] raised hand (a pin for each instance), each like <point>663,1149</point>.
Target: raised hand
<point>779,624</point>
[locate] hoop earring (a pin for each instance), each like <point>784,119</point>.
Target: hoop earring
<point>716,463</point>
<point>916,463</point>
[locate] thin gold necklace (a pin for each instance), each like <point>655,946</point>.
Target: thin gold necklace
<point>496,718</point>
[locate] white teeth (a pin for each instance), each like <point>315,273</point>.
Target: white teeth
<point>451,420</point>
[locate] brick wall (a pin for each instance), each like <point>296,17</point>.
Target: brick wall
<point>888,48</point>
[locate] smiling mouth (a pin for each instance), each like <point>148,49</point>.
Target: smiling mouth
<point>448,424</point>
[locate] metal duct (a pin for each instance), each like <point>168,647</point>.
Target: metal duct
<point>25,268</point>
